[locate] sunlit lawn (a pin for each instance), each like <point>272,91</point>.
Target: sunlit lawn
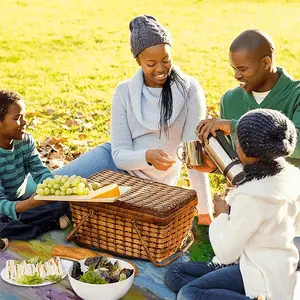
<point>68,55</point>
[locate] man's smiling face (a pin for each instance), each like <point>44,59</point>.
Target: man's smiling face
<point>249,70</point>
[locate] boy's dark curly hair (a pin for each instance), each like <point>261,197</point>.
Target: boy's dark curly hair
<point>7,98</point>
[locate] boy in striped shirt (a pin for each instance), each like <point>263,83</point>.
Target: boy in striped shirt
<point>22,217</point>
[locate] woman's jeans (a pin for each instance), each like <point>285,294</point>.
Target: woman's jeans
<point>207,281</point>
<point>91,162</point>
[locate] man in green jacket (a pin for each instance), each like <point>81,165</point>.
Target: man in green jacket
<point>262,85</point>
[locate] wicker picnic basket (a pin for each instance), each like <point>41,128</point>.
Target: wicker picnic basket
<point>150,221</point>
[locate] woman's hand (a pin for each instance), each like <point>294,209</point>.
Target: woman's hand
<point>220,206</point>
<point>29,203</point>
<point>205,127</point>
<point>159,159</point>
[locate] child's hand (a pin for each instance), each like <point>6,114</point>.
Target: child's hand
<point>220,206</point>
<point>36,203</point>
<point>29,203</point>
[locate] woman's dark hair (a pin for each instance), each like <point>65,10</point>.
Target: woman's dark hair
<point>166,99</point>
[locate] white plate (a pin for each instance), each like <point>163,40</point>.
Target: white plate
<point>65,266</point>
<point>123,189</point>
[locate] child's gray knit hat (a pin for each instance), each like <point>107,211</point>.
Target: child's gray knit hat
<point>266,134</point>
<point>146,32</point>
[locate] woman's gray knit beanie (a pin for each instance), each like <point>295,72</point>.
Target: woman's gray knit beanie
<point>146,32</point>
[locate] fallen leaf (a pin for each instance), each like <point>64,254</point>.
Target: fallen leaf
<point>79,143</point>
<point>83,136</point>
<point>75,122</point>
<point>32,114</point>
<point>65,127</point>
<point>50,111</point>
<point>55,163</point>
<point>59,140</point>
<point>79,114</point>
<point>87,125</point>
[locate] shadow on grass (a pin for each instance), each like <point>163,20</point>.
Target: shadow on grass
<point>201,249</point>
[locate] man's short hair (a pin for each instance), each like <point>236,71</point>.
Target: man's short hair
<point>252,40</point>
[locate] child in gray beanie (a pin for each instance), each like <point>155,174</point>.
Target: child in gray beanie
<point>265,137</point>
<point>255,256</point>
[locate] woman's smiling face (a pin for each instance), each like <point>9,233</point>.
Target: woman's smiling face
<point>156,63</point>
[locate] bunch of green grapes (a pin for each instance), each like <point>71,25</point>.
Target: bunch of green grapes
<point>65,186</point>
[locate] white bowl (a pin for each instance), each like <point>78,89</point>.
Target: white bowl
<point>110,291</point>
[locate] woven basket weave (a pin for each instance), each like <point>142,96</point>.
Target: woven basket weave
<point>151,221</point>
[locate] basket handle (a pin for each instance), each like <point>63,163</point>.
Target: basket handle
<point>169,259</point>
<point>71,234</point>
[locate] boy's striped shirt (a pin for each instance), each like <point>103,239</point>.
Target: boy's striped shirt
<point>15,165</point>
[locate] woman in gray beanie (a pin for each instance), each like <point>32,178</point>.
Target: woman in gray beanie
<point>255,254</point>
<point>152,114</point>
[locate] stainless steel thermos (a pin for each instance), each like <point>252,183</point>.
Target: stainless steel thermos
<point>225,158</point>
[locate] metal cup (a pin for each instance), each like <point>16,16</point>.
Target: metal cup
<point>193,153</point>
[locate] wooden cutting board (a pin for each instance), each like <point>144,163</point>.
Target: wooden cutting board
<point>85,198</point>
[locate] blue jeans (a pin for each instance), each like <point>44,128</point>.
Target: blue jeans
<point>33,222</point>
<point>89,163</point>
<point>207,281</point>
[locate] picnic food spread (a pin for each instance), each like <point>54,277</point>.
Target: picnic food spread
<point>35,270</point>
<point>75,253</point>
<point>111,190</point>
<point>72,253</point>
<point>100,271</point>
<point>65,186</point>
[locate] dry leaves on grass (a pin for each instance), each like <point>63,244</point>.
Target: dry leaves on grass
<point>212,112</point>
<point>55,153</point>
<point>58,151</point>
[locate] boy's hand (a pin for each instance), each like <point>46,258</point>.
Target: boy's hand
<point>29,203</point>
<point>36,203</point>
<point>159,159</point>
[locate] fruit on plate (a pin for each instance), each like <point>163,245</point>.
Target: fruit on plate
<point>65,186</point>
<point>108,191</point>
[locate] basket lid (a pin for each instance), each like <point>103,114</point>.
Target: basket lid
<point>146,196</point>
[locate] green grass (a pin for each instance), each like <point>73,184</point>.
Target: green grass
<point>68,55</point>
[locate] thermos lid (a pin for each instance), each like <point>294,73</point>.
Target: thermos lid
<point>239,178</point>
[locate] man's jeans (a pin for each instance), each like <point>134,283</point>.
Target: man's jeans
<point>207,281</point>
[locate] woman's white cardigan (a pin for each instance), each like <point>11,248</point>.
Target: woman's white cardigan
<point>259,233</point>
<point>135,129</point>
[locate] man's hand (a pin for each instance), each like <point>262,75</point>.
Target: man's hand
<point>29,203</point>
<point>159,159</point>
<point>208,165</point>
<point>220,206</point>
<point>205,127</point>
